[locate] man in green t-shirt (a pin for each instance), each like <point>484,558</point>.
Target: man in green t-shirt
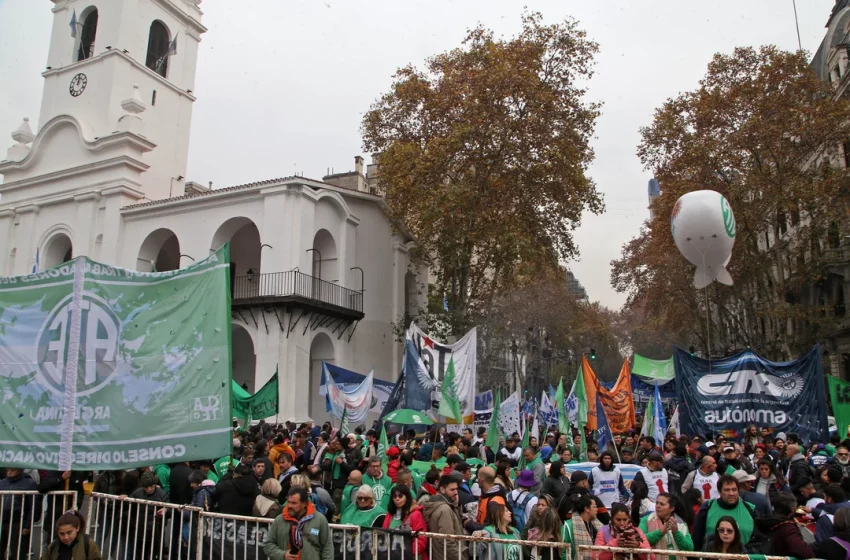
<point>355,480</point>
<point>729,503</point>
<point>380,482</point>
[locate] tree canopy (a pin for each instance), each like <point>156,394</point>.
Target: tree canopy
<point>765,132</point>
<point>484,154</point>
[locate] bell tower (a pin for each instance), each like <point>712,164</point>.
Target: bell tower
<point>123,66</point>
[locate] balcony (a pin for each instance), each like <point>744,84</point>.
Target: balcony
<point>294,288</point>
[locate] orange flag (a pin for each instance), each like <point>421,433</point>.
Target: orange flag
<point>618,402</point>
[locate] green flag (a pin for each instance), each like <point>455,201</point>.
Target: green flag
<point>449,403</point>
<point>526,439</point>
<point>563,420</point>
<point>581,412</point>
<point>839,394</point>
<point>383,444</point>
<point>343,424</point>
<point>262,404</point>
<point>493,432</point>
<point>110,369</point>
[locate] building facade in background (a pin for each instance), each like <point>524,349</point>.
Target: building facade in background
<point>318,270</point>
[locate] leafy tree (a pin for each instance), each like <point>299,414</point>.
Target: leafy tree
<point>765,132</point>
<point>484,155</point>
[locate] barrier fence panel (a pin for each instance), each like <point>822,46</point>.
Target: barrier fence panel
<point>232,537</point>
<point>477,547</point>
<point>585,552</point>
<point>27,521</point>
<point>134,529</point>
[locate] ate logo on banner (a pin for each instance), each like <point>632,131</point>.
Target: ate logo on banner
<point>100,332</point>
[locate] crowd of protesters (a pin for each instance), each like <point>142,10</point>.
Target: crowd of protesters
<point>760,493</point>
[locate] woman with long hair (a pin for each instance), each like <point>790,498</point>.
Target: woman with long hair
<point>71,540</point>
<point>556,483</point>
<point>503,475</point>
<point>532,528</point>
<point>621,533</point>
<point>548,529</point>
<point>770,482</point>
<point>497,524</point>
<point>692,500</point>
<point>404,513</point>
<point>667,526</point>
<point>641,504</point>
<point>726,538</point>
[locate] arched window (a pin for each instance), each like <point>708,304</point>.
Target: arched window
<point>158,44</point>
<point>87,35</point>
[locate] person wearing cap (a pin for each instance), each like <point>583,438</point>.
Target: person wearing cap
<point>511,451</point>
<point>745,489</point>
<point>522,497</point>
<point>580,486</point>
<point>606,481</point>
<point>704,479</point>
<point>394,464</point>
<point>654,476</point>
<point>628,455</point>
<point>729,463</point>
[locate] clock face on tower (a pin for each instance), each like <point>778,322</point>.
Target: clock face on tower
<point>78,85</point>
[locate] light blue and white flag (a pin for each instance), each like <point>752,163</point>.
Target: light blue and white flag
<point>35,265</point>
<point>547,412</point>
<point>74,24</point>
<point>659,424</point>
<point>355,404</point>
<point>571,405</point>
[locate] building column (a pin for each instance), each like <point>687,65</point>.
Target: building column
<point>275,232</point>
<point>86,219</point>
<point>7,241</point>
<point>28,241</point>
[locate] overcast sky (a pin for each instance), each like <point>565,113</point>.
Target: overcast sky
<point>282,84</point>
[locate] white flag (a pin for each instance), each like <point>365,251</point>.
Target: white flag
<point>674,422</point>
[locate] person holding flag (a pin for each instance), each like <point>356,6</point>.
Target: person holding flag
<point>606,480</point>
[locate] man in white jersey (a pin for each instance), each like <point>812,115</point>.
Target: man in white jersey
<point>654,475</point>
<point>704,479</point>
<point>606,481</point>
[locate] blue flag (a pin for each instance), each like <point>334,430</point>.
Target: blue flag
<point>659,424</point>
<point>396,399</point>
<point>602,425</point>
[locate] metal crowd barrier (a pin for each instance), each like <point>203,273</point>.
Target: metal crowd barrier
<point>27,521</point>
<point>585,552</point>
<point>134,529</point>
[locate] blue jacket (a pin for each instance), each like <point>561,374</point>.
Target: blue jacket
<point>17,509</point>
<point>760,503</point>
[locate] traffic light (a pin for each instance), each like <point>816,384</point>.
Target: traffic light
<point>692,350</point>
<point>593,353</point>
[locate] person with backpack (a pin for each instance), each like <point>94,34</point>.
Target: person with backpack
<point>498,525</point>
<point>71,540</point>
<point>836,547</point>
<point>404,513</point>
<point>782,531</point>
<point>729,504</point>
<point>621,533</point>
<point>521,501</point>
<point>267,504</point>
<point>320,497</point>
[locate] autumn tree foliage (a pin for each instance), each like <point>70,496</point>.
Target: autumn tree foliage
<point>764,131</point>
<point>484,155</point>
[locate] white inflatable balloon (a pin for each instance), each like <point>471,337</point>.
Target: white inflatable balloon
<point>703,228</point>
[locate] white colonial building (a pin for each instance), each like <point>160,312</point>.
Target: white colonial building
<point>319,271</point>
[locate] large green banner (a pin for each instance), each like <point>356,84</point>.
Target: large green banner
<point>657,370</point>
<point>107,368</point>
<point>839,395</point>
<point>262,404</point>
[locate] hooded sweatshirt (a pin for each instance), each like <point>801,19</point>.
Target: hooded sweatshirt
<point>607,482</point>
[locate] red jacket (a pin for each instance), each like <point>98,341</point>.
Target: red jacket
<point>416,522</point>
<point>392,470</point>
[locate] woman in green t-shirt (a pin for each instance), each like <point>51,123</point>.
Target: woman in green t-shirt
<point>497,524</point>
